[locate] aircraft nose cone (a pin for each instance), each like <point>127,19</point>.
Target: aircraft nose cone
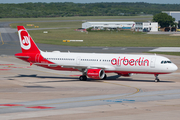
<point>174,67</point>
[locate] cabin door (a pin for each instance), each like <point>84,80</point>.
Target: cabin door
<point>152,64</point>
<point>78,60</point>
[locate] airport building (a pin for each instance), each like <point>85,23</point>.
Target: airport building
<point>138,26</point>
<point>146,26</point>
<point>110,25</point>
<point>174,14</point>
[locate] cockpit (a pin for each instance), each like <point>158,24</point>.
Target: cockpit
<point>165,62</point>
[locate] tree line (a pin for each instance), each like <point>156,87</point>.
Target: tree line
<point>66,9</point>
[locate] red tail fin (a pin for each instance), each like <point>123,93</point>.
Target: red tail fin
<point>26,42</point>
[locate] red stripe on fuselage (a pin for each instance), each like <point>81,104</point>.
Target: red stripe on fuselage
<point>136,72</point>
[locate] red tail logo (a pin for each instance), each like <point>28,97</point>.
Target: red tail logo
<point>27,44</point>
<point>25,40</point>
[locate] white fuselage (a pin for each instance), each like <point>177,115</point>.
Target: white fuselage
<point>113,62</point>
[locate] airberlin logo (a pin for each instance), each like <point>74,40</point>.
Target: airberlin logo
<point>24,39</point>
<point>132,62</point>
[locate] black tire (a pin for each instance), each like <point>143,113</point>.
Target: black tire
<point>157,80</point>
<point>83,78</point>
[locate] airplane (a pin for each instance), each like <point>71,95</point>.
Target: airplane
<point>93,65</point>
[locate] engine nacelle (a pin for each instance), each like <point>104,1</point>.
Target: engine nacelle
<point>96,73</point>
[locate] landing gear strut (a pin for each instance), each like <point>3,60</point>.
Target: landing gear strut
<point>156,79</point>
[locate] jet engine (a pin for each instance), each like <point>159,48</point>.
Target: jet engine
<point>96,73</point>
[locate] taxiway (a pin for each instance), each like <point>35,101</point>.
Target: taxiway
<point>31,92</point>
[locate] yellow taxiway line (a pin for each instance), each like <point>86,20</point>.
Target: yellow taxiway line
<point>1,39</point>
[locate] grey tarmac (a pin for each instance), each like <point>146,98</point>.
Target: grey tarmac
<point>40,93</point>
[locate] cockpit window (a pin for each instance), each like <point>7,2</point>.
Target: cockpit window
<point>165,62</point>
<point>169,61</point>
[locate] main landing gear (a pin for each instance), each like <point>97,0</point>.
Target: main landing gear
<point>156,79</point>
<point>83,78</point>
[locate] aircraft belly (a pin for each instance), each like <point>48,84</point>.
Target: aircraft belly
<point>138,69</point>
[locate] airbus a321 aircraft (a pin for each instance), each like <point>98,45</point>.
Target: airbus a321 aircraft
<point>93,65</point>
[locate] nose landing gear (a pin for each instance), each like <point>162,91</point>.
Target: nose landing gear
<point>156,78</point>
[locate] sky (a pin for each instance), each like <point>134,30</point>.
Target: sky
<point>93,1</point>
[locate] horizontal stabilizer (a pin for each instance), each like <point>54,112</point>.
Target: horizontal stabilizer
<point>22,56</point>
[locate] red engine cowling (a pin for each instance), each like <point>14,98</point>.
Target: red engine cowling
<point>96,73</point>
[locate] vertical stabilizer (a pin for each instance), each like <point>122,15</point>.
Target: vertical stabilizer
<point>26,42</point>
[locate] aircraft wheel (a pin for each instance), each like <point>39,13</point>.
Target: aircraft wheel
<point>157,80</point>
<point>82,78</point>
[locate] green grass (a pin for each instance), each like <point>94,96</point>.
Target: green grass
<point>73,18</point>
<point>48,24</point>
<point>72,24</point>
<point>106,38</point>
<point>167,53</point>
<point>52,22</point>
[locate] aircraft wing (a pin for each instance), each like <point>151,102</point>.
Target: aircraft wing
<point>77,66</point>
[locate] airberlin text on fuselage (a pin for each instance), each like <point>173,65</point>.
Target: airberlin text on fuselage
<point>132,62</point>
